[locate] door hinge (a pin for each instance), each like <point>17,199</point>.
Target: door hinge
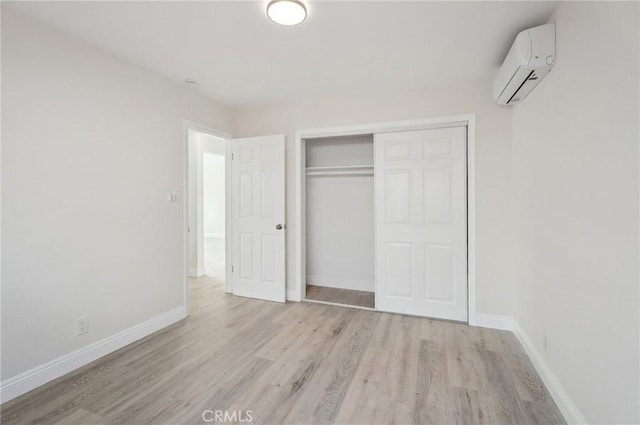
<point>232,156</point>
<point>231,269</point>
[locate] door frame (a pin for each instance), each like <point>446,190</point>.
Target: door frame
<point>469,120</point>
<point>228,139</point>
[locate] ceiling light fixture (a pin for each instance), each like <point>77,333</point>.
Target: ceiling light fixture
<point>286,12</point>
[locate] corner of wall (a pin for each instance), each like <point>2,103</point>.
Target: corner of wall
<point>568,409</point>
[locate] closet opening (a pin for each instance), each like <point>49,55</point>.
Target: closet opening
<point>388,208</point>
<point>339,220</point>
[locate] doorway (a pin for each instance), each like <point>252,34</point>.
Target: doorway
<point>245,256</point>
<point>213,208</point>
<point>207,204</point>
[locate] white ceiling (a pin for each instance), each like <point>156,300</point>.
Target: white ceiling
<point>239,57</point>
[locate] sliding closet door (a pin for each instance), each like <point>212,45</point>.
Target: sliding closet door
<point>421,223</point>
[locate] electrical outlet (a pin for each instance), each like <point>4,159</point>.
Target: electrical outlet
<point>546,341</point>
<point>82,325</point>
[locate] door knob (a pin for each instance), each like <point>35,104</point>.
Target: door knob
<point>279,226</point>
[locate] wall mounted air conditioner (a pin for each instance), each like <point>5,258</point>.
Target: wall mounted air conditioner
<point>529,60</point>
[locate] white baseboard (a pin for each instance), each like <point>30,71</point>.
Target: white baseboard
<point>40,375</point>
<point>352,284</point>
<point>568,409</point>
<point>492,321</point>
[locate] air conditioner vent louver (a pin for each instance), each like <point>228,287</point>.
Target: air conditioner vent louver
<point>529,60</point>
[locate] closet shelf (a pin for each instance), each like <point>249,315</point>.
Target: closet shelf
<point>341,170</point>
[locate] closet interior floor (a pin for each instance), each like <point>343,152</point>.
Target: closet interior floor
<point>340,296</point>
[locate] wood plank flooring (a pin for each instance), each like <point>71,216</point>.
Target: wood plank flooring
<point>298,363</point>
<point>340,296</point>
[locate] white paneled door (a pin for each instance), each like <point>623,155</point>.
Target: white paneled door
<point>258,209</point>
<point>421,222</point>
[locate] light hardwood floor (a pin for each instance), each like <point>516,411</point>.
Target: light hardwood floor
<point>340,296</point>
<point>299,363</point>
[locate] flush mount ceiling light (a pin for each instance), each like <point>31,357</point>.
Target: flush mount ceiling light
<point>286,12</point>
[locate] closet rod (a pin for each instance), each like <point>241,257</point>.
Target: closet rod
<point>340,173</point>
<point>340,168</point>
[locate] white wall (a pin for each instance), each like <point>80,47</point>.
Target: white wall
<point>575,169</point>
<point>495,294</point>
<point>213,189</point>
<point>340,243</point>
<point>91,146</point>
